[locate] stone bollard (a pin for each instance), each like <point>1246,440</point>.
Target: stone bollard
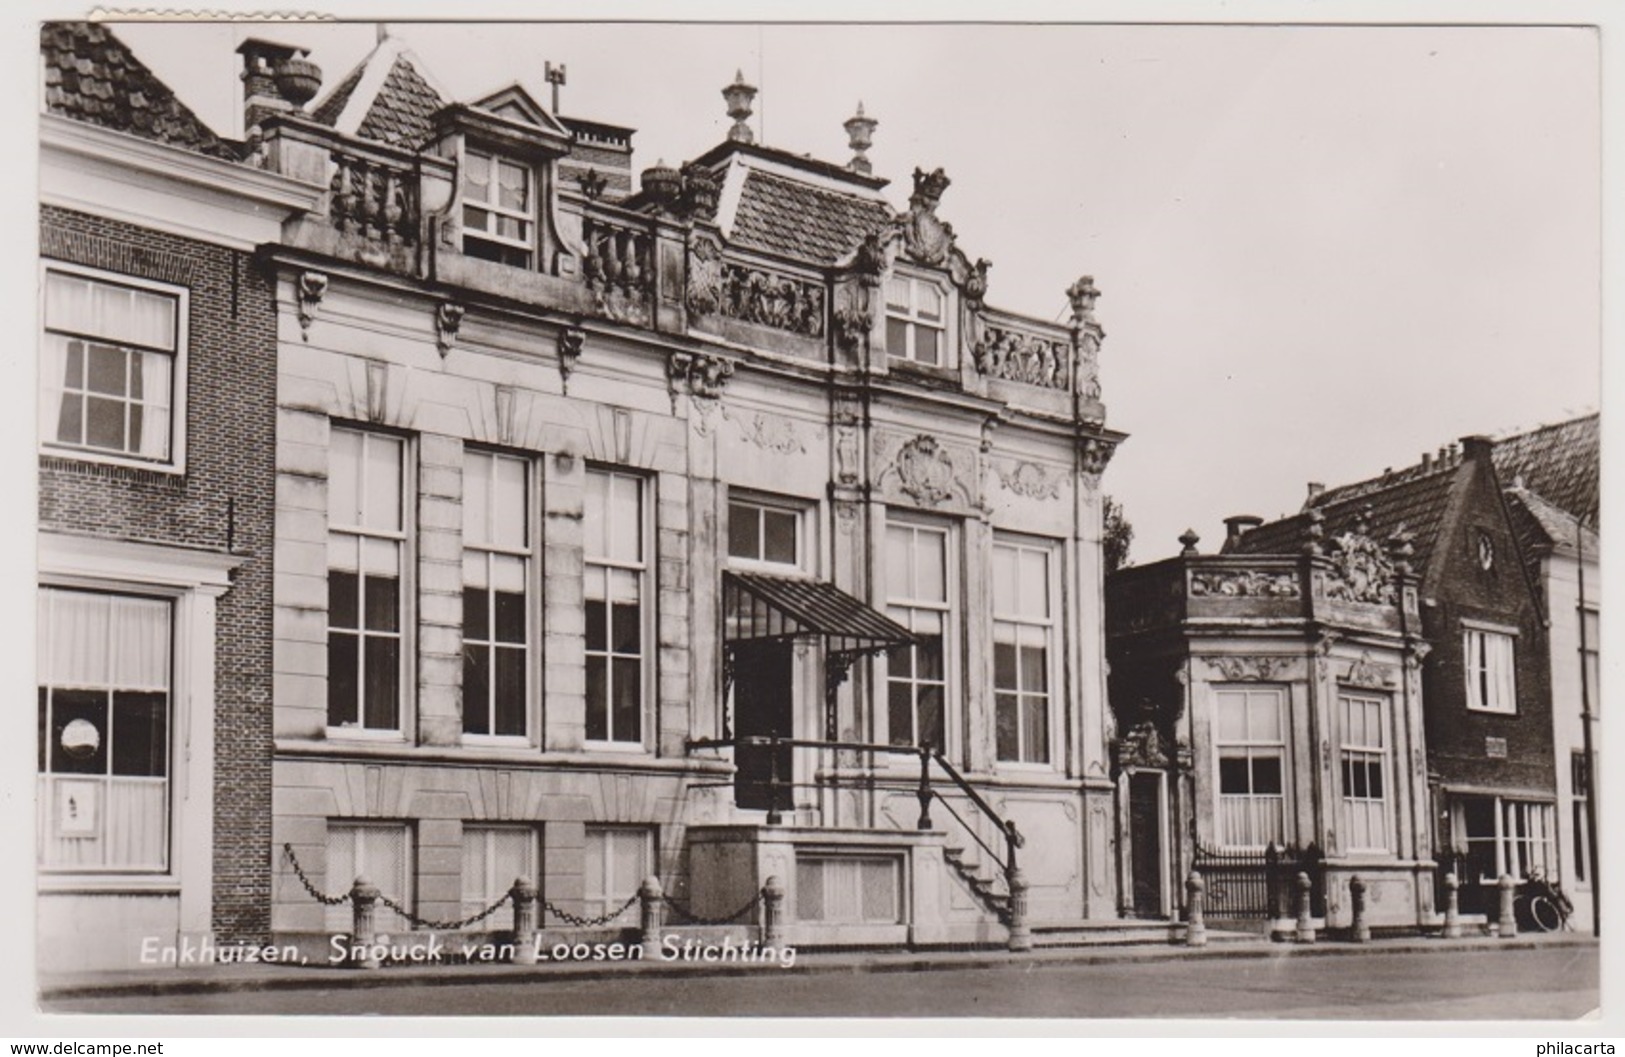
<point>1508,925</point>
<point>1021,938</point>
<point>651,907</point>
<point>1195,907</point>
<point>363,900</point>
<point>772,913</point>
<point>524,921</point>
<point>1306,922</point>
<point>1362,931</point>
<point>1452,907</point>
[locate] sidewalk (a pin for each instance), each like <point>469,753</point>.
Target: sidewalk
<point>274,977</point>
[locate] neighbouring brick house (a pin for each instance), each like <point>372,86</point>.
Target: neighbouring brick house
<point>156,474</point>
<point>579,489</point>
<point>1486,679</point>
<point>1553,487</point>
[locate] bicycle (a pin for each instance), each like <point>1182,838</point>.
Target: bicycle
<point>1541,905</point>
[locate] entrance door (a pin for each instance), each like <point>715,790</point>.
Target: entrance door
<point>1145,841</point>
<point>763,708</point>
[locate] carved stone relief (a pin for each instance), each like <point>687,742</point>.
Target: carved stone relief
<point>1361,572</point>
<point>1029,479</point>
<point>1244,583</point>
<point>1247,669</point>
<point>755,295</point>
<point>448,320</point>
<point>572,342</point>
<point>926,472</point>
<point>703,378</point>
<point>926,237</point>
<point>775,434</point>
<point>1364,672</point>
<point>1000,352</point>
<point>310,288</point>
<point>704,276</point>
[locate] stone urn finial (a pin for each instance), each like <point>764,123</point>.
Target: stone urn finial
<point>739,97</point>
<point>860,132</point>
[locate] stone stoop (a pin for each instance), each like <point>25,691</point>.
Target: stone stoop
<point>989,891</point>
<point>1109,932</point>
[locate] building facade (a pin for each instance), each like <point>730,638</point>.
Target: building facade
<point>656,534</point>
<point>1271,718</point>
<point>156,412</point>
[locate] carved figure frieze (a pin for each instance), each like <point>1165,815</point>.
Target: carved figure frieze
<point>1366,673</point>
<point>1361,571</point>
<point>1016,356</point>
<point>1029,480</point>
<point>1244,583</point>
<point>769,299</point>
<point>1249,668</point>
<point>704,276</point>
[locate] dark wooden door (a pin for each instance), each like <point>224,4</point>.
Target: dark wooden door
<point>763,708</point>
<point>1145,840</point>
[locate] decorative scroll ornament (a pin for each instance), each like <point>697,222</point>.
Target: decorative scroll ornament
<point>1029,480</point>
<point>1364,672</point>
<point>1141,746</point>
<point>1244,583</point>
<point>448,320</point>
<point>310,289</point>
<point>704,277</point>
<point>572,342</point>
<point>1248,669</point>
<point>702,377</point>
<point>754,295</point>
<point>1361,572</point>
<point>925,471</point>
<point>927,238</point>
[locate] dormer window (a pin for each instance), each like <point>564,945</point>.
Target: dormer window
<point>498,209</point>
<point>916,321</point>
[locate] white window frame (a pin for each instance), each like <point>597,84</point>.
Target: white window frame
<point>846,870</point>
<point>804,563</point>
<point>493,207</point>
<point>1528,825</point>
<point>402,540</point>
<point>907,611</point>
<point>602,902</point>
<point>103,781</point>
<point>488,552</point>
<point>911,319</point>
<point>487,889</point>
<point>1353,752</point>
<point>175,463</point>
<point>1052,631</point>
<point>1580,819</point>
<point>648,650</point>
<point>1480,674</point>
<point>1251,748</point>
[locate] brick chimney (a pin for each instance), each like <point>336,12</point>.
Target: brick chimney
<point>1316,489</point>
<point>277,79</point>
<point>1236,527</point>
<point>1477,448</point>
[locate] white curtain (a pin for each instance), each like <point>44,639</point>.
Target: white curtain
<point>156,372</point>
<point>119,313</point>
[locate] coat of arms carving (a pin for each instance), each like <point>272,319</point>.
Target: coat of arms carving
<point>926,237</point>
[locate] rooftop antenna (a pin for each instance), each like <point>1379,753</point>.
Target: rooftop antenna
<point>383,31</point>
<point>761,114</point>
<point>555,77</point>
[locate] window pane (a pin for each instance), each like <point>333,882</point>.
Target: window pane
<point>1264,714</point>
<point>1233,775</point>
<point>900,661</point>
<point>476,614</point>
<point>900,713</point>
<point>925,346</point>
<point>344,478</point>
<point>896,337</point>
<point>383,603</point>
<point>928,657</point>
<point>779,536</point>
<point>104,423</point>
<point>1267,775</point>
<point>383,500</point>
<point>342,688</point>
<point>1232,716</point>
<point>476,689</point>
<point>899,564</point>
<point>383,675</point>
<point>476,498</point>
<point>597,698</point>
<point>626,632</point>
<point>1004,666</point>
<point>88,753</point>
<point>510,614</point>
<point>140,740</point>
<point>597,626</point>
<point>595,504</point>
<point>927,301</point>
<point>744,531</point>
<point>1006,722</point>
<point>1004,580</point>
<point>510,508</point>
<point>897,293</point>
<point>1374,779</point>
<point>1035,732</point>
<point>1034,669</point>
<point>109,371</point>
<point>510,691</point>
<point>70,425</point>
<point>931,554</point>
<point>626,519</point>
<point>929,709</point>
<point>627,725</point>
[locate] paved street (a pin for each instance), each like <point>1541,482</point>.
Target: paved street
<point>1551,983</point>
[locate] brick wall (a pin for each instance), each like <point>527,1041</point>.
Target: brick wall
<point>230,420</point>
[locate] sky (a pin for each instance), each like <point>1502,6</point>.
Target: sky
<point>1323,250</point>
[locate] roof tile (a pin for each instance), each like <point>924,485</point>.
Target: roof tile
<point>798,220</point>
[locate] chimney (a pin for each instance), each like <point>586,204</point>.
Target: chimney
<point>1427,461</point>
<point>1236,527</point>
<point>277,79</point>
<point>1316,489</point>
<point>860,133</point>
<point>739,97</point>
<point>1477,447</point>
